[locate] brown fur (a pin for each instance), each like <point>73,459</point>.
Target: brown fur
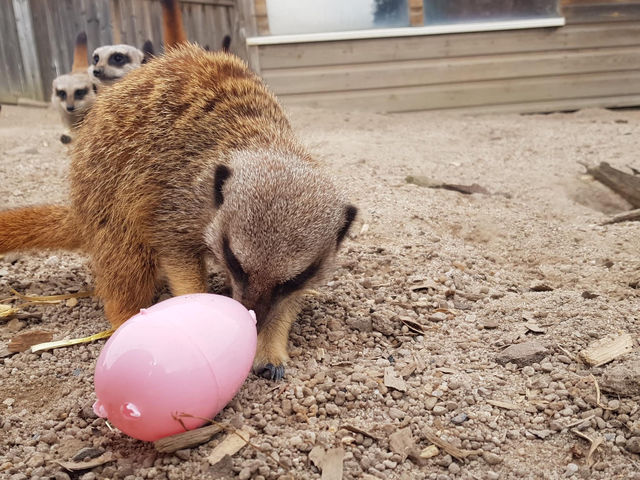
<point>172,24</point>
<point>32,228</point>
<point>144,203</point>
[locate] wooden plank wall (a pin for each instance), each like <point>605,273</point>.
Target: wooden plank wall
<point>12,76</point>
<point>56,24</point>
<point>592,61</point>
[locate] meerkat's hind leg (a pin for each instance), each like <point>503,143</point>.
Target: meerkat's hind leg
<point>185,275</point>
<point>127,285</point>
<point>271,354</point>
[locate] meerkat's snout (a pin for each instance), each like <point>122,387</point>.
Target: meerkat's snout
<point>98,72</point>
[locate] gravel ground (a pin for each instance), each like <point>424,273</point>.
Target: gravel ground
<point>408,342</point>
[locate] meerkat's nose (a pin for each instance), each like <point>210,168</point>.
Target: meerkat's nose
<point>70,108</point>
<point>97,72</point>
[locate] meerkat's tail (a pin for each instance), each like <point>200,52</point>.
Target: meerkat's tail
<point>80,56</point>
<point>41,227</point>
<point>172,27</point>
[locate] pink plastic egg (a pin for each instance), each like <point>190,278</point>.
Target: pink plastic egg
<point>189,354</point>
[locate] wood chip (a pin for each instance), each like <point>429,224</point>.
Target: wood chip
<point>231,445</point>
<point>447,370</point>
<point>316,456</point>
<point>505,405</point>
<point>72,302</point>
<point>189,439</point>
<point>26,340</point>
<point>452,450</point>
<point>332,464</point>
<point>534,327</point>
<point>415,327</point>
<point>392,380</point>
<point>605,350</point>
<point>401,442</point>
<point>7,310</point>
<point>94,462</point>
<point>429,452</point>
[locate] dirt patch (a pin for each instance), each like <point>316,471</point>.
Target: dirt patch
<point>431,288</point>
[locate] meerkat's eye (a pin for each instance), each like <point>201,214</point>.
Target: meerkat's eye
<point>298,281</point>
<point>79,94</point>
<point>61,94</point>
<point>118,59</point>
<point>233,263</point>
<point>96,59</point>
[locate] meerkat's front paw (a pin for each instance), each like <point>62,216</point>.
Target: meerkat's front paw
<point>271,358</point>
<point>270,371</point>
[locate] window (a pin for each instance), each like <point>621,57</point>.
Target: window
<point>315,16</point>
<point>441,12</point>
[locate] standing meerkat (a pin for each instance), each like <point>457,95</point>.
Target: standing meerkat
<point>110,63</point>
<point>74,93</point>
<point>201,161</point>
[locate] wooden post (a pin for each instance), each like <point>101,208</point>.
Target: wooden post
<point>416,13</point>
<point>28,52</point>
<point>247,27</point>
<point>116,28</point>
<point>262,17</point>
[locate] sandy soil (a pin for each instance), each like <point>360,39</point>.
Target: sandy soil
<point>504,268</point>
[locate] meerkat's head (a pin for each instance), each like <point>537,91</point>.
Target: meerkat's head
<point>73,93</point>
<point>277,229</point>
<point>112,62</point>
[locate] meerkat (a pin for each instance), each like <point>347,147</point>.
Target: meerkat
<point>202,161</point>
<point>74,93</point>
<point>110,63</point>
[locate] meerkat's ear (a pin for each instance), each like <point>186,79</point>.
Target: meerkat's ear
<point>219,177</point>
<point>147,50</point>
<point>350,213</point>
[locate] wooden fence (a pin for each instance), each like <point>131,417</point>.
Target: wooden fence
<point>37,36</point>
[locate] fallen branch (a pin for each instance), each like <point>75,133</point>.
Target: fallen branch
<point>630,216</point>
<point>625,185</point>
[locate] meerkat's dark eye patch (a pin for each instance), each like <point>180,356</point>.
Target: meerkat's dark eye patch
<point>350,213</point>
<point>119,59</point>
<point>61,94</point>
<point>297,282</point>
<point>80,94</point>
<point>96,59</point>
<point>233,263</point>
<point>219,177</point>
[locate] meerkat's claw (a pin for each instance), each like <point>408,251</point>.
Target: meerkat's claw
<point>271,372</point>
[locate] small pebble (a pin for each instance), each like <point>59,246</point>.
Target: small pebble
<point>491,458</point>
<point>460,418</point>
<point>571,469</point>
